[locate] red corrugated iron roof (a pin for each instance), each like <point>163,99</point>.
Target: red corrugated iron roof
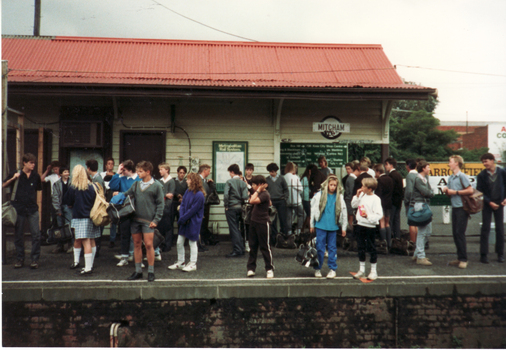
<point>80,60</point>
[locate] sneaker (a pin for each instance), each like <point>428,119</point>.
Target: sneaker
<point>19,264</point>
<point>190,267</point>
<point>130,258</point>
<point>454,263</point>
<point>34,265</point>
<point>359,275</point>
<point>119,257</point>
<point>372,276</point>
<point>331,274</point>
<point>250,273</point>
<point>246,247</point>
<point>158,257</point>
<point>270,274</point>
<point>463,265</point>
<point>326,255</point>
<point>177,265</point>
<point>318,273</point>
<point>424,262</point>
<point>122,262</point>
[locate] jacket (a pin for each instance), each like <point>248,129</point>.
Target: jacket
<point>235,193</point>
<point>422,192</point>
<point>191,214</point>
<point>315,211</point>
<point>294,190</point>
<point>483,184</point>
<point>57,196</point>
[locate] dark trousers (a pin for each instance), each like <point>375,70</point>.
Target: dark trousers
<point>395,221</point>
<point>459,226</point>
<point>259,235</point>
<point>485,229</point>
<point>204,228</point>
<point>166,225</point>
<point>280,205</point>
<point>233,217</point>
<point>19,241</point>
<point>307,207</point>
<point>365,242</point>
<point>126,234</point>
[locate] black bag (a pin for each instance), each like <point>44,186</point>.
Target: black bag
<point>157,239</point>
<point>285,242</point>
<point>212,198</point>
<point>307,255</point>
<point>60,234</point>
<point>120,211</point>
<point>402,246</point>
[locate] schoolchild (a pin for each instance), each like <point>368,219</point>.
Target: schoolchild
<point>107,176</point>
<point>81,197</point>
<point>328,217</point>
<point>369,212</point>
<point>458,185</point>
<point>324,167</point>
<point>169,188</point>
<point>306,200</point>
<point>408,191</point>
<point>384,191</point>
<point>181,187</point>
<point>148,195</point>
<point>278,190</point>
<point>294,201</point>
<point>260,228</point>
<point>92,170</point>
<point>235,195</point>
<point>63,212</point>
<point>54,167</point>
<point>367,161</point>
<point>348,192</point>
<point>250,168</point>
<point>121,182</point>
<point>397,196</point>
<point>191,215</point>
<point>363,173</point>
<point>209,186</point>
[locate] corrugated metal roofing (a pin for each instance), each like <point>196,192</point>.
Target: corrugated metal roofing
<point>198,63</point>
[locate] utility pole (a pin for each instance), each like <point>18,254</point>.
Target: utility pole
<point>467,124</point>
<point>36,22</point>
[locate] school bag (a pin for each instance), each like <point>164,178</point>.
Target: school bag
<point>98,213</point>
<point>472,203</point>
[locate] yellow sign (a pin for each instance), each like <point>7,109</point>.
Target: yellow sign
<point>442,169</point>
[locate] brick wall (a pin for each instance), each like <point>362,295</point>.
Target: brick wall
<point>434,322</point>
<point>478,139</point>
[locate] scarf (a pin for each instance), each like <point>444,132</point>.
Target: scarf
<point>324,193</point>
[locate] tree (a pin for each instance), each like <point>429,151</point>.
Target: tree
<point>414,133</point>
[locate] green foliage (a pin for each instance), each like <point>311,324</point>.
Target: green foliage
<point>471,155</point>
<point>415,134</point>
<point>357,151</point>
<point>456,343</point>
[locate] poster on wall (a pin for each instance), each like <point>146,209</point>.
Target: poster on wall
<point>226,153</point>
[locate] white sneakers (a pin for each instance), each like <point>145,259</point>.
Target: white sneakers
<point>359,275</point>
<point>331,274</point>
<point>157,257</point>
<point>318,273</point>
<point>372,276</point>
<point>190,267</point>
<point>122,262</point>
<point>250,273</point>
<point>177,265</point>
<point>270,274</point>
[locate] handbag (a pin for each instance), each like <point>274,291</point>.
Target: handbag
<point>472,203</point>
<point>60,234</point>
<point>9,214</point>
<point>212,198</point>
<point>307,255</point>
<point>157,239</point>
<point>420,217</point>
<point>285,242</point>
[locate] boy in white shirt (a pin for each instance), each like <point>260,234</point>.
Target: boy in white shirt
<point>369,212</point>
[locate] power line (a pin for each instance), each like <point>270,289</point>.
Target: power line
<point>452,71</point>
<point>205,25</point>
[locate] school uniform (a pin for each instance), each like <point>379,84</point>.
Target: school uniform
<point>259,234</point>
<point>397,196</point>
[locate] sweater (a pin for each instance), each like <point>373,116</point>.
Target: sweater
<point>191,215</point>
<point>122,183</point>
<point>410,183</point>
<point>148,202</point>
<point>278,188</point>
<point>485,187</point>
<point>81,201</point>
<point>168,187</point>
<point>422,192</point>
<point>235,193</point>
<point>371,204</point>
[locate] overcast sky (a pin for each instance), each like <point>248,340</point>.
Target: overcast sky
<point>467,36</point>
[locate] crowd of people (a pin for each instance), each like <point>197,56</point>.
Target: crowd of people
<point>365,203</point>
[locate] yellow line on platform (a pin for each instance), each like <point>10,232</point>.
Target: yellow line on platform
<point>300,279</point>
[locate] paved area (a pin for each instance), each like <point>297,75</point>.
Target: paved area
<point>212,265</point>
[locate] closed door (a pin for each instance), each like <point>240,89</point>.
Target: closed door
<point>144,145</point>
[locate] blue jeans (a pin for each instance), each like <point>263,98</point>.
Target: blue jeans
<point>112,232</point>
<point>422,237</point>
<point>233,215</point>
<point>295,211</point>
<point>19,231</point>
<point>326,238</point>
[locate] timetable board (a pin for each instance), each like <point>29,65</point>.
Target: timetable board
<point>304,153</point>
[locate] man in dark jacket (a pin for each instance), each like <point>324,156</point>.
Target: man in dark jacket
<point>384,191</point>
<point>492,183</point>
<point>397,197</point>
<point>209,186</point>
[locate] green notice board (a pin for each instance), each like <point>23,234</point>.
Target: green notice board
<point>304,153</point>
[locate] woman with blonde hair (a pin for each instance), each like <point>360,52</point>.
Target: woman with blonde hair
<point>191,214</point>
<point>81,197</point>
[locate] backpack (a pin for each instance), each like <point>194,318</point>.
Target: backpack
<point>98,213</point>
